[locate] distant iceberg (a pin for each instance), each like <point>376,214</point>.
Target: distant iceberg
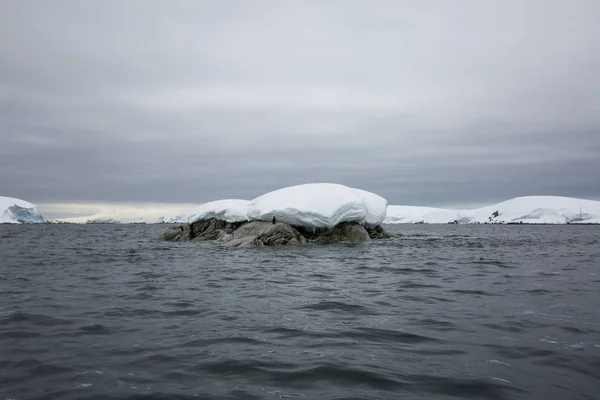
<point>526,210</point>
<point>17,211</point>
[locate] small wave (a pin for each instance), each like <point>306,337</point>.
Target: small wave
<point>385,335</point>
<point>186,313</point>
<point>520,352</point>
<point>586,365</point>
<point>466,388</point>
<point>296,376</point>
<point>149,396</point>
<point>538,291</point>
<point>284,333</point>
<point>25,370</point>
<point>577,331</point>
<point>33,319</point>
<point>153,359</point>
<point>418,285</point>
<point>495,263</point>
<point>149,288</point>
<point>336,306</point>
<point>19,333</point>
<point>181,303</point>
<point>95,329</point>
<point>509,327</point>
<point>149,275</point>
<point>324,289</point>
<point>471,291</point>
<point>320,276</point>
<point>437,324</point>
<point>221,340</point>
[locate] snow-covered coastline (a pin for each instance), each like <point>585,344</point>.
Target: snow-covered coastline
<point>520,210</point>
<point>144,213</point>
<point>353,205</point>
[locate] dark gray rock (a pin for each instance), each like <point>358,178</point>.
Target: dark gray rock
<point>176,233</point>
<point>378,233</point>
<point>260,233</point>
<point>346,232</point>
<point>210,229</point>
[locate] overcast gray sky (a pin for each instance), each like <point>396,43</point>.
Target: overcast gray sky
<point>423,102</point>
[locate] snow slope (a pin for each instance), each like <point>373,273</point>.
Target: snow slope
<point>527,210</point>
<point>15,211</point>
<point>408,214</point>
<point>230,210</point>
<point>319,205</point>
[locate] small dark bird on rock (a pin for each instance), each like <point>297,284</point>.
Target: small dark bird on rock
<point>274,220</point>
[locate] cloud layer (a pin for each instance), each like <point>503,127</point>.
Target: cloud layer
<point>423,102</point>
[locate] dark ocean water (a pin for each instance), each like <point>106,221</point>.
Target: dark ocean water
<point>469,312</point>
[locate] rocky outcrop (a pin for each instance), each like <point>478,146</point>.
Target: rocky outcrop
<point>345,232</point>
<point>378,233</point>
<point>261,233</point>
<point>210,229</point>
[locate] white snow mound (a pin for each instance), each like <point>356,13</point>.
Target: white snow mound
<point>230,210</point>
<point>319,205</point>
<point>17,211</point>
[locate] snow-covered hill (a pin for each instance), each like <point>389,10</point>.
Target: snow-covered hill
<point>527,210</point>
<point>408,214</point>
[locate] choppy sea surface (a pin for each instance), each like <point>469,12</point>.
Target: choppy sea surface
<point>445,312</point>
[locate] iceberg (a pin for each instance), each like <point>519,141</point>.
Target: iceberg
<point>17,211</point>
<point>319,205</point>
<point>526,210</point>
